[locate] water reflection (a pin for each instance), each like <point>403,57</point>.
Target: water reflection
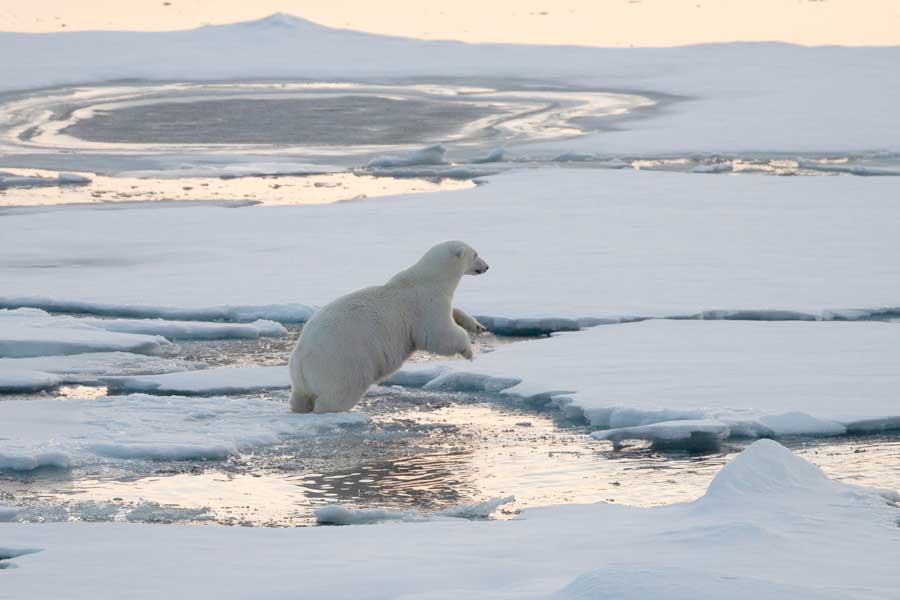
<point>427,451</point>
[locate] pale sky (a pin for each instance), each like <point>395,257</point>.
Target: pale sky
<point>585,22</point>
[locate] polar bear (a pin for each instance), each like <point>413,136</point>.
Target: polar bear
<point>363,337</point>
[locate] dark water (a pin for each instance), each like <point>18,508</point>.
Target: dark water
<point>330,121</point>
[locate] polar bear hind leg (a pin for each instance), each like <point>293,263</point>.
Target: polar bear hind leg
<point>340,399</point>
<point>302,401</point>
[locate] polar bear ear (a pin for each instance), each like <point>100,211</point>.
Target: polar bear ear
<point>459,251</point>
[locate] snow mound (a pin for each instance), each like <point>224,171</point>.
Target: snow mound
<point>687,434</point>
<point>30,332</point>
<point>432,155</point>
<point>206,382</point>
<point>345,515</point>
<point>44,433</point>
<point>768,469</point>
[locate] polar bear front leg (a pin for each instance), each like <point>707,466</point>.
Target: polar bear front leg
<point>449,340</point>
<point>468,322</point>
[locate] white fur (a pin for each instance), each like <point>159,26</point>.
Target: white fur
<point>363,337</point>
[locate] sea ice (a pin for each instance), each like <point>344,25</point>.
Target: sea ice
<point>686,434</point>
<point>8,180</point>
<point>345,515</point>
<point>31,332</point>
<point>770,523</point>
<point>690,381</point>
<point>432,155</point>
<point>206,382</point>
<point>571,244</point>
<point>38,433</point>
<point>45,372</point>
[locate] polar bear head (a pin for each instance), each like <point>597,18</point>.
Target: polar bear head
<point>454,257</point>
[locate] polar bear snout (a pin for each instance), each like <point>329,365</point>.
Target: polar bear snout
<point>479,267</point>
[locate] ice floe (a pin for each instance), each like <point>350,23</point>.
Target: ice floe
<point>695,382</point>
<point>52,433</point>
<point>28,332</point>
<point>190,330</point>
<point>687,434</point>
<point>9,180</point>
<point>283,313</point>
<point>32,332</point>
<point>563,243</point>
<point>346,515</point>
<point>44,372</point>
<point>206,382</point>
<point>771,524</point>
<point>432,155</point>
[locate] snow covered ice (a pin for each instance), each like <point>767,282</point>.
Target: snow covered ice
<point>615,244</point>
<point>50,433</point>
<point>670,380</point>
